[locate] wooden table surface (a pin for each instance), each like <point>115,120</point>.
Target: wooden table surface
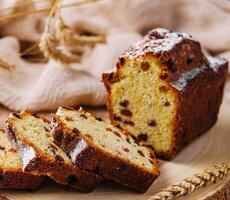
<point>211,148</point>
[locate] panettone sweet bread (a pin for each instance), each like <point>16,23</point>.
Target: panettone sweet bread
<point>100,147</point>
<point>165,91</point>
<point>11,173</point>
<point>31,136</point>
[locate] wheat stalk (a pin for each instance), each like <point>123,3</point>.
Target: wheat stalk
<point>5,64</point>
<point>189,185</point>
<point>57,37</point>
<point>42,10</point>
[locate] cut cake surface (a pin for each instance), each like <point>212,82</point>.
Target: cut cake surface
<point>98,146</point>
<point>11,173</point>
<point>31,137</point>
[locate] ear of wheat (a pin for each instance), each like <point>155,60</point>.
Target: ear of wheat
<point>57,37</point>
<point>189,185</point>
<point>58,40</point>
<point>5,64</point>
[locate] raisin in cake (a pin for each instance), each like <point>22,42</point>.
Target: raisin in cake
<point>165,91</point>
<point>97,146</point>
<point>31,137</point>
<point>11,174</point>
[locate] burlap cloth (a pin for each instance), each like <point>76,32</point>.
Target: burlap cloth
<point>45,86</point>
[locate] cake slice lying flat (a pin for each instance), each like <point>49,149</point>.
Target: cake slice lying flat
<point>11,174</point>
<point>97,146</point>
<point>31,137</point>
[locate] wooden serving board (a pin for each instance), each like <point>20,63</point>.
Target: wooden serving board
<point>211,148</point>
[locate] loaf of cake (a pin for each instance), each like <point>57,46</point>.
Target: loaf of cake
<point>11,173</point>
<point>165,91</point>
<point>31,136</point>
<point>102,148</point>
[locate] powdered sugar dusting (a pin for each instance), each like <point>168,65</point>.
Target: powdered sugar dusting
<point>215,63</point>
<point>181,83</point>
<point>156,41</point>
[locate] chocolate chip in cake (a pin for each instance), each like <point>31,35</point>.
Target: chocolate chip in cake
<point>141,153</point>
<point>113,78</point>
<point>121,61</point>
<point>12,150</point>
<point>59,159</point>
<point>11,134</point>
<point>172,69</point>
<point>128,140</point>
<point>118,126</point>
<point>58,137</point>
<point>116,118</point>
<point>89,136</point>
<point>2,148</point>
<point>119,153</point>
<point>83,116</point>
<point>126,149</point>
<point>116,133</point>
<point>99,119</point>
<point>151,161</point>
<point>142,137</point>
<point>67,108</point>
<point>166,103</point>
<point>152,123</point>
<point>136,140</point>
<point>189,60</point>
<point>128,122</point>
<point>69,119</point>
<point>171,66</point>
<point>72,180</point>
<point>163,89</point>
<point>126,112</point>
<point>151,154</point>
<point>124,103</point>
<point>52,149</point>
<point>46,129</point>
<point>35,114</point>
<point>145,66</point>
<point>16,115</point>
<point>75,130</point>
<point>108,129</point>
<point>163,76</point>
<point>53,146</point>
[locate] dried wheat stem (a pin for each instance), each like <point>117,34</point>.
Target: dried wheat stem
<point>43,10</point>
<point>69,37</point>
<point>58,37</point>
<point>189,185</point>
<point>5,64</point>
<point>49,43</point>
<point>23,4</point>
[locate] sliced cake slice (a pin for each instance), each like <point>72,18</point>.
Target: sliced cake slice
<point>11,174</point>
<point>100,147</point>
<point>31,137</point>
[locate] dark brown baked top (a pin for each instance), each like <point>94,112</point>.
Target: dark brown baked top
<point>157,41</point>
